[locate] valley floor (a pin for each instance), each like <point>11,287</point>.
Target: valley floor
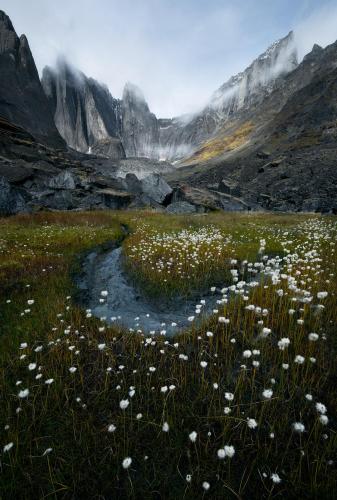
<point>240,403</point>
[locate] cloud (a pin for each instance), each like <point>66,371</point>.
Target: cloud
<point>177,51</point>
<point>320,27</point>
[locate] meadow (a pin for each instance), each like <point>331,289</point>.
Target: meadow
<point>239,405</point>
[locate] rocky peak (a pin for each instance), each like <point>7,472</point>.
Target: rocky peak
<point>140,130</point>
<point>86,115</point>
<point>257,79</point>
<point>315,53</point>
<point>22,99</point>
<point>8,38</point>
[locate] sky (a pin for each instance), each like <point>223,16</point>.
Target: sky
<point>177,51</point>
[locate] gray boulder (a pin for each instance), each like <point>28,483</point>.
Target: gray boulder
<point>132,184</point>
<point>11,200</point>
<point>156,188</point>
<point>181,207</point>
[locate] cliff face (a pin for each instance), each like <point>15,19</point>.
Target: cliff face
<point>22,100</point>
<point>85,113</point>
<point>242,92</point>
<point>140,130</point>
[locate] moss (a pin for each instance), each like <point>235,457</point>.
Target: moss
<point>227,140</point>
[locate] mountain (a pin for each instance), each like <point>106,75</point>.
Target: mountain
<point>85,113</point>
<point>243,91</point>
<point>282,152</point>
<point>140,130</point>
<point>22,100</point>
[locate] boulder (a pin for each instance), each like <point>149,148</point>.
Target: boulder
<point>132,184</point>
<point>113,199</point>
<point>11,200</point>
<point>156,188</point>
<point>201,198</point>
<point>181,207</point>
<point>152,187</point>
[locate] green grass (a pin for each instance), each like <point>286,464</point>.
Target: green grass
<point>72,414</point>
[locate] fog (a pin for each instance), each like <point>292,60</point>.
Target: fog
<point>178,52</point>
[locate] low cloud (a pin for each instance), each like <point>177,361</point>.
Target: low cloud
<point>178,52</point>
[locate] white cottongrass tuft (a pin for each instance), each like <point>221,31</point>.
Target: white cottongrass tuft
<point>283,343</point>
<point>193,436</point>
<point>321,408</point>
<point>8,447</point>
<point>23,394</point>
<point>123,404</point>
<point>251,422</point>
<point>267,393</point>
<point>324,419</point>
<point>126,462</point>
<point>275,478</point>
<point>298,427</point>
<point>165,427</point>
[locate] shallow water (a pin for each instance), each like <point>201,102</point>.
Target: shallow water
<point>126,306</point>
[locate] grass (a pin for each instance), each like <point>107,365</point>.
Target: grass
<point>163,378</point>
<point>226,141</point>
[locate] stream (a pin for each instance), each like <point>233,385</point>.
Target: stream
<point>124,304</point>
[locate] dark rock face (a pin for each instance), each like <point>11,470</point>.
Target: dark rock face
<point>140,131</point>
<point>181,136</point>
<point>11,201</point>
<point>86,115</point>
<point>22,100</point>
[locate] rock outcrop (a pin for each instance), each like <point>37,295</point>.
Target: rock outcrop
<point>140,131</point>
<point>22,100</point>
<point>85,113</point>
<point>11,200</point>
